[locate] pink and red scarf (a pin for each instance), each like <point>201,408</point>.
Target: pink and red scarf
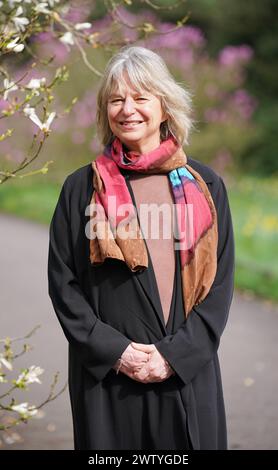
<point>195,210</point>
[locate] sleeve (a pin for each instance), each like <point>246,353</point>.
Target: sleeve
<point>197,340</point>
<point>99,345</point>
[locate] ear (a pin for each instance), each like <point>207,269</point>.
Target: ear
<point>164,117</point>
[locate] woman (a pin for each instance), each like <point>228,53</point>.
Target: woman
<point>143,314</point>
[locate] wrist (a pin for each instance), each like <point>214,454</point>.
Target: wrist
<point>169,368</point>
<point>118,365</point>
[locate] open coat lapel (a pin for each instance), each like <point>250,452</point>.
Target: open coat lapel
<point>147,277</point>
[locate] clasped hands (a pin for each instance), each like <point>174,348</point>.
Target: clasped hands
<point>144,363</point>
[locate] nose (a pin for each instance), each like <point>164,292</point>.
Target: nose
<point>128,105</point>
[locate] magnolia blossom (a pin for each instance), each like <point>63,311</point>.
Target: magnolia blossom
<point>20,22</point>
<point>231,56</point>
<point>5,362</point>
<point>52,2</point>
<point>28,110</point>
<point>80,26</point>
<point>12,2</point>
<point>24,409</point>
<point>42,8</point>
<point>67,39</point>
<point>30,376</point>
<point>14,46</point>
<point>31,114</point>
<point>36,83</point>
<point>9,86</point>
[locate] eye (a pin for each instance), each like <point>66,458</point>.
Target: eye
<point>115,101</point>
<point>141,98</point>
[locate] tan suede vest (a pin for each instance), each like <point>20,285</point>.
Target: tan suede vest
<point>156,189</point>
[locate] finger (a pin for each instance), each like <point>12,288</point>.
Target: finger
<point>143,347</point>
<point>132,374</point>
<point>139,378</point>
<point>142,371</point>
<point>141,356</point>
<point>128,372</point>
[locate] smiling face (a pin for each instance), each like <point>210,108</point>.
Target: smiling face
<point>135,117</point>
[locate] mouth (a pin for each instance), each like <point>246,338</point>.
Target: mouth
<point>130,123</point>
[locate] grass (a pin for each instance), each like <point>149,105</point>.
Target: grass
<point>34,199</point>
<point>253,203</point>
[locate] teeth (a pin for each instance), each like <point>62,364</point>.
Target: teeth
<point>132,123</point>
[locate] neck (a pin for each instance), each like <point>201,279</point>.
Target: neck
<point>141,148</point>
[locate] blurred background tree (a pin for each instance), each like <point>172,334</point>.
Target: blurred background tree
<point>254,23</point>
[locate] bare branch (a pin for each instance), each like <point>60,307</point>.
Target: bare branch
<point>163,7</point>
<point>20,338</point>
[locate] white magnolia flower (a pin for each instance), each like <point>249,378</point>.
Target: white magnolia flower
<point>31,376</point>
<point>80,26</point>
<point>52,2</point>
<point>14,46</point>
<point>28,110</point>
<point>36,83</point>
<point>44,126</point>
<point>67,39</point>
<point>5,362</point>
<point>20,22</point>
<point>12,2</point>
<point>9,86</point>
<point>42,8</point>
<point>24,409</point>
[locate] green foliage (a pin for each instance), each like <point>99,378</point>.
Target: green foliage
<point>261,156</point>
<point>252,22</point>
<point>33,198</point>
<point>255,224</point>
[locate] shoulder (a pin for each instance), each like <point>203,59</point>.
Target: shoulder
<point>79,176</point>
<point>77,187</point>
<point>207,173</point>
<point>214,183</point>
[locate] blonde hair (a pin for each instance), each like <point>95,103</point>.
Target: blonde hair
<point>147,71</point>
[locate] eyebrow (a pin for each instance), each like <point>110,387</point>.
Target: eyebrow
<point>134,94</point>
<point>114,95</point>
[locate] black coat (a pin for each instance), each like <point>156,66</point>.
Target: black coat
<point>102,309</point>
